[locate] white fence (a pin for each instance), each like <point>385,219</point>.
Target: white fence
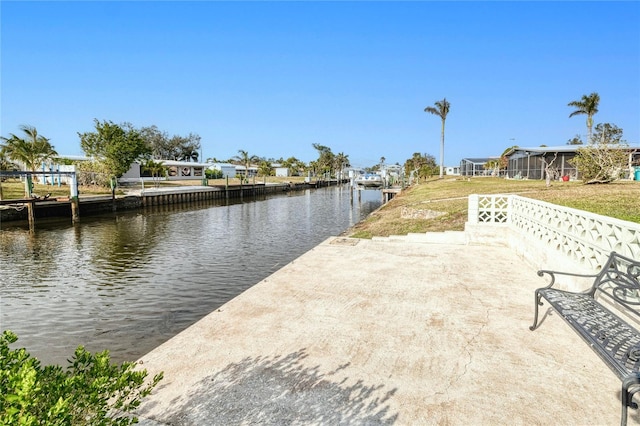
<point>583,237</point>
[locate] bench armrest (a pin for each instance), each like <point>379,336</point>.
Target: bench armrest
<point>552,275</point>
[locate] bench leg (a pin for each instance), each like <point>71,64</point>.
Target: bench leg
<point>535,317</point>
<point>627,396</point>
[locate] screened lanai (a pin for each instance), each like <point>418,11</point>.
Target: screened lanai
<point>530,163</point>
<point>473,166</point>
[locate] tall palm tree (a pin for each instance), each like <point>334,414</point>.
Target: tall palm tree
<point>441,109</point>
<point>31,150</point>
<point>587,105</point>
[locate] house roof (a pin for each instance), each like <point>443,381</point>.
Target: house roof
<point>478,160</point>
<point>73,157</point>
<point>560,148</point>
<point>183,163</point>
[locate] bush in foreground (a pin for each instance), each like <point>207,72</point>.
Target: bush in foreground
<point>91,391</point>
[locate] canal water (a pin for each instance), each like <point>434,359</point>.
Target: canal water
<point>127,282</point>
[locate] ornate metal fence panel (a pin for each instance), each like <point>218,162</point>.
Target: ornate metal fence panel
<point>586,238</point>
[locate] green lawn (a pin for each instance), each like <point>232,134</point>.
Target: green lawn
<point>449,196</point>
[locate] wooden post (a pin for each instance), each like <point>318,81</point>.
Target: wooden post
<point>28,186</point>
<point>75,206</point>
<point>75,210</point>
<point>32,215</point>
<point>113,182</point>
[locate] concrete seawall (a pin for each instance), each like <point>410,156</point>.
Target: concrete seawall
<point>384,332</point>
<point>91,205</point>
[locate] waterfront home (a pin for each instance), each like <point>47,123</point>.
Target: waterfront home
<point>530,162</point>
<point>174,170</point>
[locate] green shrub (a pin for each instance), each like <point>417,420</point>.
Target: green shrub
<point>213,173</point>
<point>91,391</point>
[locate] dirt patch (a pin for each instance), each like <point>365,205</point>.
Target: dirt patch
<point>411,213</point>
<point>344,241</point>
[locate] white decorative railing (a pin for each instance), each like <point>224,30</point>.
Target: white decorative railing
<point>584,237</point>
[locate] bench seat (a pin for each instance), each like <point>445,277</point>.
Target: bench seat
<point>612,338</point>
<point>591,315</point>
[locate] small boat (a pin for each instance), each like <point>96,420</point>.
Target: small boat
<point>369,180</point>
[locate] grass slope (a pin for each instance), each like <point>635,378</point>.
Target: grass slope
<point>449,198</point>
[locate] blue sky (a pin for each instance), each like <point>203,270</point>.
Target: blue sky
<point>272,78</point>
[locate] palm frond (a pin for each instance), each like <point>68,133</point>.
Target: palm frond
<point>441,109</point>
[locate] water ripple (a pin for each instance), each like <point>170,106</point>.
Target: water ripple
<point>128,282</point>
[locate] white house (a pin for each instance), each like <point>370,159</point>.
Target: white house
<point>242,171</point>
<point>282,171</point>
<point>228,170</point>
<point>452,170</point>
<point>176,170</point>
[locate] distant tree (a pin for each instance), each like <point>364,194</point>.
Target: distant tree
<point>188,147</point>
<point>494,165</point>
<point>158,142</point>
<point>114,146</point>
<point>264,168</point>
<point>93,172</point>
<point>340,161</point>
<point>294,166</point>
<point>575,140</point>
<point>213,173</point>
<point>587,105</point>
<point>608,133</point>
<point>441,109</point>
<point>313,167</point>
<point>5,163</point>
<point>324,163</point>
<point>243,158</point>
<point>605,159</point>
<point>501,163</point>
<point>421,165</point>
<point>177,148</point>
<point>156,168</point>
<point>32,149</point>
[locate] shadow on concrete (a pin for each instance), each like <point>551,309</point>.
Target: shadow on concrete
<point>281,390</point>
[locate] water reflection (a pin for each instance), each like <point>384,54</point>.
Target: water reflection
<point>127,282</point>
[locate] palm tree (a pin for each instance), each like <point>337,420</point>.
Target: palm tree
<point>31,150</point>
<point>588,105</point>
<point>265,169</point>
<point>5,163</point>
<point>189,153</point>
<point>441,110</point>
<point>294,165</point>
<point>340,162</point>
<point>156,168</point>
<point>245,159</point>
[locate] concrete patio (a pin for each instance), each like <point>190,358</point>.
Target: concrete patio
<point>384,332</point>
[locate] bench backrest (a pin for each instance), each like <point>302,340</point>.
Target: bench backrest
<point>618,281</point>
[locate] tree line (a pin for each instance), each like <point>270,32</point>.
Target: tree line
<point>112,149</point>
